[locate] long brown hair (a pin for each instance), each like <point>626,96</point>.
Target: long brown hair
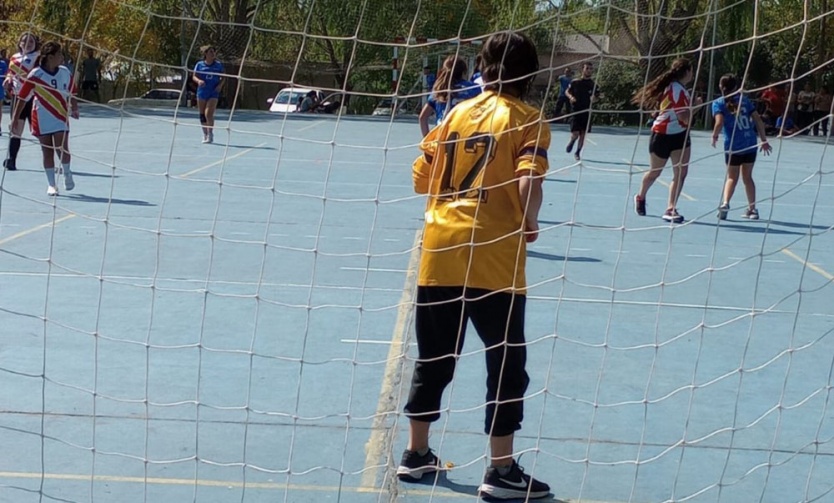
<point>728,84</point>
<point>453,70</point>
<point>47,50</point>
<point>649,96</point>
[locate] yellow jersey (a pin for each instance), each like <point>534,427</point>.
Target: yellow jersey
<point>474,224</point>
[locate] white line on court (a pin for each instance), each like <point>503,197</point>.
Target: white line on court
<point>373,269</point>
<point>311,126</point>
<point>374,449</point>
<point>36,229</point>
<point>817,269</point>
<point>236,484</point>
<point>221,161</point>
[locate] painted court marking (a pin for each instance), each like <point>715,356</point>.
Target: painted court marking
<point>817,269</point>
<point>36,228</point>
<point>221,161</point>
<point>375,448</point>
<point>662,182</point>
<point>234,484</point>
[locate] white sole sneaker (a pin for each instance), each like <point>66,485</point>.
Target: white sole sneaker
<point>52,191</point>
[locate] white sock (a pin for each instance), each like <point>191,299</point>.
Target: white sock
<point>66,167</point>
<point>50,176</point>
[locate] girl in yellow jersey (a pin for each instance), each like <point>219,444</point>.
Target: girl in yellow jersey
<point>482,171</point>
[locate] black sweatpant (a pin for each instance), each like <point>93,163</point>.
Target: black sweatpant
<point>498,317</point>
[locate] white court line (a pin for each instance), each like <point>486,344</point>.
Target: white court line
<point>311,126</point>
<point>36,229</point>
<point>373,269</point>
<point>221,161</point>
<point>817,269</point>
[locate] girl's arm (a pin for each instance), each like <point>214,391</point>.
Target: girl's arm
<point>760,128</point>
<point>716,129</point>
<point>530,195</point>
<point>73,107</point>
<point>197,79</point>
<point>425,114</point>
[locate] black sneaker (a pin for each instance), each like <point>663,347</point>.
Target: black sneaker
<point>639,205</point>
<point>569,148</point>
<point>577,157</point>
<point>722,211</point>
<point>672,215</point>
<point>413,466</point>
<point>514,485</point>
<point>752,214</point>
<point>9,165</point>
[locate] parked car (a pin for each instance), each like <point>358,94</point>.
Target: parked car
<point>287,100</point>
<point>151,99</point>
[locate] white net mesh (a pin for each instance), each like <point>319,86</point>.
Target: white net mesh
<point>233,322</point>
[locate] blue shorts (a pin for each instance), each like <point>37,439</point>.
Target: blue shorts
<point>2,95</point>
<point>207,95</point>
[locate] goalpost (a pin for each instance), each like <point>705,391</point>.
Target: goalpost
<point>234,322</point>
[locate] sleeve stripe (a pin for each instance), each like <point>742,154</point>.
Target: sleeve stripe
<point>533,151</point>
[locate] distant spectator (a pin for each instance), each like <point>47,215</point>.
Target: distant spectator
<point>776,100</point>
<point>786,127</point>
<point>310,103</point>
<point>91,76</point>
<point>822,110</point>
<point>562,101</point>
<point>805,108</point>
<point>450,88</point>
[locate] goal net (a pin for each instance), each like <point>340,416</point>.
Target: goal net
<point>233,320</point>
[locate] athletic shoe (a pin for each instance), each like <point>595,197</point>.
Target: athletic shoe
<point>514,485</point>
<point>9,165</point>
<point>722,211</point>
<point>672,215</point>
<point>639,205</point>
<point>413,466</point>
<point>52,191</point>
<point>569,148</point>
<point>751,214</point>
<point>576,156</point>
<point>69,183</point>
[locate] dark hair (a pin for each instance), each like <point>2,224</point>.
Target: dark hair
<point>26,34</point>
<point>206,48</point>
<point>47,50</point>
<point>509,60</point>
<point>648,97</point>
<point>453,70</point>
<point>728,84</point>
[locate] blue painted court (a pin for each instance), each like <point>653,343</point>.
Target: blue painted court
<point>232,322</point>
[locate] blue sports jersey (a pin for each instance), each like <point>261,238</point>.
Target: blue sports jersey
<point>461,90</point>
<point>739,129</point>
<point>210,74</point>
<point>4,68</point>
<point>564,83</point>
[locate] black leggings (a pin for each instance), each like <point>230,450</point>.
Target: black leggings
<point>441,318</point>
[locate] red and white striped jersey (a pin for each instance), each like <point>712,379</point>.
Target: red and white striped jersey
<point>675,99</point>
<point>52,94</point>
<point>19,67</point>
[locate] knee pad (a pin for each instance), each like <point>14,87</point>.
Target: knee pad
<point>203,119</point>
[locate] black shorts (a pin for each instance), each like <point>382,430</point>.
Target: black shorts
<point>89,85</point>
<point>739,158</point>
<point>441,318</point>
<point>26,113</point>
<point>581,122</point>
<point>662,145</point>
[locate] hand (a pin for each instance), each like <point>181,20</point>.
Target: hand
<point>74,113</point>
<point>201,83</point>
<point>766,148</point>
<point>714,141</point>
<point>531,231</point>
<point>572,99</point>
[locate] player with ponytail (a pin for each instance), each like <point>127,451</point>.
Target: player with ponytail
<point>667,96</point>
